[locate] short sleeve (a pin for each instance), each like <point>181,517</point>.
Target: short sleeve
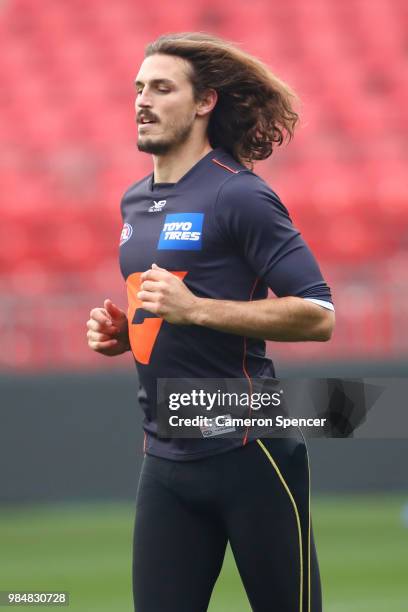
<point>253,219</point>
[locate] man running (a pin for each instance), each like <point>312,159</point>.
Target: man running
<point>203,240</point>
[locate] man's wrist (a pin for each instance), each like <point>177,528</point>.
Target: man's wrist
<point>200,311</point>
<point>123,338</point>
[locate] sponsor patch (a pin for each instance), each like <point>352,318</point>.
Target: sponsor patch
<point>182,231</point>
<point>212,429</point>
<point>127,231</point>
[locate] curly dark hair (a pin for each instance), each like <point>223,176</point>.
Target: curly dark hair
<point>254,110</point>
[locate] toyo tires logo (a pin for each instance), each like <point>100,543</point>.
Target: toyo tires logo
<point>182,231</point>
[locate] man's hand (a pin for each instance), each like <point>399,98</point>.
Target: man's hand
<point>108,330</point>
<point>166,295</point>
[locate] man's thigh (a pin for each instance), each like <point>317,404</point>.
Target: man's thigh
<point>178,549</point>
<point>269,527</point>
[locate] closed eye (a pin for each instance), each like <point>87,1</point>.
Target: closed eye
<point>160,85</point>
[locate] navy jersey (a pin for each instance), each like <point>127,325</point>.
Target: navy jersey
<point>228,236</point>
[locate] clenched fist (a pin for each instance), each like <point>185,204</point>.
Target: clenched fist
<point>108,330</point>
<point>165,295</point>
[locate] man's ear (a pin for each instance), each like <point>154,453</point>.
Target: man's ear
<point>207,102</point>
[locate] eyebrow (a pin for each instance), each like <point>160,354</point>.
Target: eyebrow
<point>156,82</point>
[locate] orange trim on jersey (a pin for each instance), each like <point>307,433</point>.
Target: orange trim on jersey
<point>225,166</point>
<point>142,336</point>
<point>247,376</point>
<point>144,442</point>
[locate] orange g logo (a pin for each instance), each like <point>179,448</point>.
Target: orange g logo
<point>144,326</point>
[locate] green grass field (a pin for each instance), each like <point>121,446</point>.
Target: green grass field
<point>86,550</point>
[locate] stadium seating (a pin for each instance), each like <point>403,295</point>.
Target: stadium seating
<point>67,131</point>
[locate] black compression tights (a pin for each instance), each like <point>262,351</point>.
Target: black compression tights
<point>257,498</point>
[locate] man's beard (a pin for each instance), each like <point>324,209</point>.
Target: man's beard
<point>161,147</point>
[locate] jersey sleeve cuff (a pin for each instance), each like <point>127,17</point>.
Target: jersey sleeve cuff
<point>323,303</point>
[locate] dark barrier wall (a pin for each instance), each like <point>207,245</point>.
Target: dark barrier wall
<point>79,437</point>
<point>69,436</point>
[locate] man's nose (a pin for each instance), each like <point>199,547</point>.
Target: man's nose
<point>143,100</point>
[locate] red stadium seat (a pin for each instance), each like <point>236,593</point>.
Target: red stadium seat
<point>68,137</point>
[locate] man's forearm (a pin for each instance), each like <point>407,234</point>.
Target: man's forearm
<point>288,319</point>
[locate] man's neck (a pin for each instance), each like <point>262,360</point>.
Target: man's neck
<point>171,167</point>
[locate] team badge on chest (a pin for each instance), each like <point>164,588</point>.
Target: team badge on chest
<point>126,233</point>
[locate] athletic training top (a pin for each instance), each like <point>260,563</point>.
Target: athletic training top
<point>228,236</point>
